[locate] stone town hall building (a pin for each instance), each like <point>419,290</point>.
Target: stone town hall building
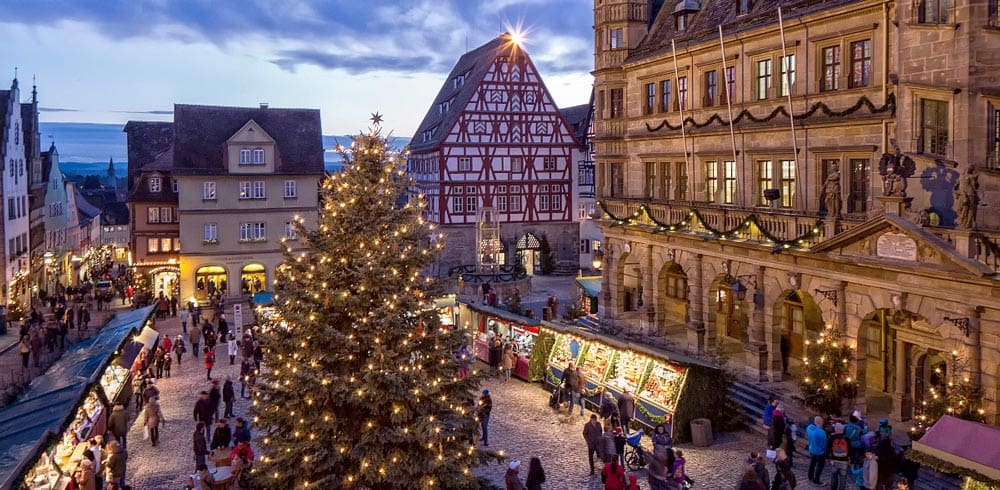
<point>877,215</point>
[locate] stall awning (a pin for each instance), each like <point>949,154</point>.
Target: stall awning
<point>264,298</point>
<point>146,339</point>
<point>503,314</point>
<point>591,285</point>
<point>44,408</point>
<point>949,440</point>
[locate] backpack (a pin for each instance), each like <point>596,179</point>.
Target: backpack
<point>853,434</point>
<point>839,448</point>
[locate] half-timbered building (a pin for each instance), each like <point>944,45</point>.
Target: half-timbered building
<point>494,139</point>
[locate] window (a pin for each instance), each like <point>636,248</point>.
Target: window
<point>549,163</point>
<point>993,136</point>
<point>599,102</point>
<point>253,232</point>
<point>681,183</point>
<point>763,85</point>
<point>152,215</point>
<point>682,22</point>
<point>861,63</point>
<point>470,199</point>
<point>291,189</point>
<point>649,190</point>
<point>994,13</point>
<point>617,180</point>
<point>858,181</point>
<point>10,208</point>
<point>166,215</point>
<point>682,92</point>
<point>616,38</point>
<point>290,231</point>
<point>208,190</point>
<point>543,202</point>
<point>245,156</point>
<point>650,98</point>
<point>211,233</point>
<point>711,180</point>
<point>787,79</point>
<point>165,245</point>
<point>787,181</point>
<point>731,83</point>
<point>933,126</point>
<point>585,246</point>
<point>676,285</point>
<point>245,189</point>
<point>173,185</point>
<point>515,201</point>
<point>617,103</point>
<point>665,96</point>
<point>764,180</point>
<point>464,164</point>
<point>934,11</point>
<point>663,191</point>
<point>502,203</point>
<point>831,69</point>
<point>258,156</point>
<point>745,6</point>
<point>556,201</point>
<point>873,340</point>
<point>729,182</point>
<point>711,88</point>
<point>458,202</point>
<point>154,184</point>
<point>152,245</point>
<point>517,165</point>
<point>259,189</point>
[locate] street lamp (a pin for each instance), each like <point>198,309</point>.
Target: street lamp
<point>598,261</point>
<point>739,289</point>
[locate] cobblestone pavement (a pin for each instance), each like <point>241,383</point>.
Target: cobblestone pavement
<point>168,465</point>
<point>523,425</point>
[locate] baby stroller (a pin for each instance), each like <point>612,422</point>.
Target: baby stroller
<point>557,397</point>
<point>635,456</point>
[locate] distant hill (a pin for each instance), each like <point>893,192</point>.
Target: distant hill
<point>84,148</point>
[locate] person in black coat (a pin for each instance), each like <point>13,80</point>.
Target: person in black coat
<point>777,431</point>
<point>228,396</point>
<point>609,408</point>
<point>222,436</point>
<point>203,411</point>
<point>626,408</point>
<point>495,352</point>
<point>215,396</point>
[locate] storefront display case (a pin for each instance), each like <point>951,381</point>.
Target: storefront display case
<point>566,349</point>
<point>114,381</point>
<point>663,385</point>
<point>45,475</point>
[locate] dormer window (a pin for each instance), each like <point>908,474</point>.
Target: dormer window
<point>155,184</point>
<point>683,13</point>
<point>258,156</point>
<point>458,81</point>
<point>444,107</point>
<point>682,22</point>
<point>745,6</point>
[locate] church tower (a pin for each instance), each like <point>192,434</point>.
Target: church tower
<point>111,180</point>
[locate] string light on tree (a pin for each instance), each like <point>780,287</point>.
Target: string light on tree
<point>954,394</point>
<point>826,378</point>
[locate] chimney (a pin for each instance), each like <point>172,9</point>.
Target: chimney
<point>263,105</point>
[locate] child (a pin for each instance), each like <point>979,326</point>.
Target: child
<point>166,365</point>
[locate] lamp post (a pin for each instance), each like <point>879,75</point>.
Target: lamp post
<point>598,260</point>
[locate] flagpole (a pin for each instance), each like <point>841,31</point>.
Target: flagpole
<point>729,96</point>
<point>680,104</point>
<point>784,81</point>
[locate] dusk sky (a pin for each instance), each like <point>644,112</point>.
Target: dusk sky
<point>109,61</point>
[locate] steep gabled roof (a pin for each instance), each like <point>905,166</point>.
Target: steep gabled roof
<point>201,133</point>
<point>704,25</point>
<point>115,213</point>
<point>85,210</point>
<point>146,140</point>
<point>4,103</point>
<point>578,118</point>
<point>473,65</point>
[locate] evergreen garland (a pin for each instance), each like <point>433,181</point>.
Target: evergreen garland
<point>538,363</point>
<point>751,220</point>
<point>864,101</point>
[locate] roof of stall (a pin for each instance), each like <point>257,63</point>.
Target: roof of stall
<point>948,440</point>
<point>503,314</point>
<point>591,285</point>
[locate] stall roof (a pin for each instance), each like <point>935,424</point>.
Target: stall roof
<point>265,298</point>
<point>948,440</point>
<point>44,407</point>
<point>591,285</point>
<point>503,314</point>
<point>145,339</point>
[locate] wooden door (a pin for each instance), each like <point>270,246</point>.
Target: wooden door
<point>726,313</point>
<point>875,354</point>
<point>795,328</point>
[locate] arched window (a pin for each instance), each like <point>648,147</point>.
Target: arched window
<point>210,282</point>
<point>253,279</point>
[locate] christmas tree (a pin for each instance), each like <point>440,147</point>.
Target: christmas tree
<point>956,395</point>
<point>826,378</point>
<point>360,382</point>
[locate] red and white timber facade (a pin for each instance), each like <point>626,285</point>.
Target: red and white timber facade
<point>495,139</point>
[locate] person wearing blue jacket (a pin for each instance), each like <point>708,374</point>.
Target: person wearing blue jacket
<point>817,449</point>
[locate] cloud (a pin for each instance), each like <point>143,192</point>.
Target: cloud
<point>57,109</point>
<point>153,112</point>
<point>290,59</point>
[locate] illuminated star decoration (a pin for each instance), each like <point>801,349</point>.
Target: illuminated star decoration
<point>376,119</point>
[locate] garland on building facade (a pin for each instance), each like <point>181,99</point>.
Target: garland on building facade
<point>752,220</point>
<point>864,101</point>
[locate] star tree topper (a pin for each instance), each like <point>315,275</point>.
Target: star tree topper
<point>376,119</point>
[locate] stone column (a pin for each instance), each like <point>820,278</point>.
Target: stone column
<point>756,348</point>
<point>606,307</point>
<point>842,308</point>
<point>649,293</point>
<point>902,402</point>
<point>973,344</point>
<point>696,316</point>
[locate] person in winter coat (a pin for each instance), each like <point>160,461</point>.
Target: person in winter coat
<point>885,454</point>
<point>869,470</point>
<point>817,449</point>
<point>168,345</point>
<point>215,396</point>
<point>118,424</point>
<point>777,430</point>
<point>222,436</point>
<point>203,410</point>
<point>24,348</point>
<point>608,407</point>
<point>152,418</point>
<point>483,412</point>
<point>494,355</point>
<point>568,382</point>
<point>199,445</point>
<point>228,396</point>
<point>783,471</point>
<point>114,464</point>
<point>614,476</point>
<point>158,361</point>
<point>241,433</point>
<point>509,361</point>
<point>626,408</point>
<point>84,475</point>
<point>750,481</point>
<point>579,387</point>
<point>759,467</point>
<point>85,313</point>
<point>536,474</point>
<point>608,442</point>
<point>512,481</point>
<point>179,348</point>
<point>593,434</point>
<point>661,439</point>
<point>657,470</point>
<point>233,349</point>
<point>167,361</point>
<point>194,337</point>
<point>209,361</point>
<point>185,313</point>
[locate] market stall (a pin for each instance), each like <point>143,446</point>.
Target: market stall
<point>520,331</point>
<point>945,447</point>
<point>590,290</point>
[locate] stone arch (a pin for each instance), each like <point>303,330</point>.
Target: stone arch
<point>796,318</point>
<point>210,281</point>
<point>619,265</point>
<point>671,300</point>
<point>728,316</point>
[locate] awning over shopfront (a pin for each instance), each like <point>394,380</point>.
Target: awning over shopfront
<point>966,445</point>
<point>591,285</point>
<point>44,408</point>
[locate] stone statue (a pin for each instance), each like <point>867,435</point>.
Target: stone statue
<point>967,198</point>
<point>895,168</point>
<point>831,193</point>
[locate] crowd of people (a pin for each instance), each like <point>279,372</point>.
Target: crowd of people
<point>40,332</point>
